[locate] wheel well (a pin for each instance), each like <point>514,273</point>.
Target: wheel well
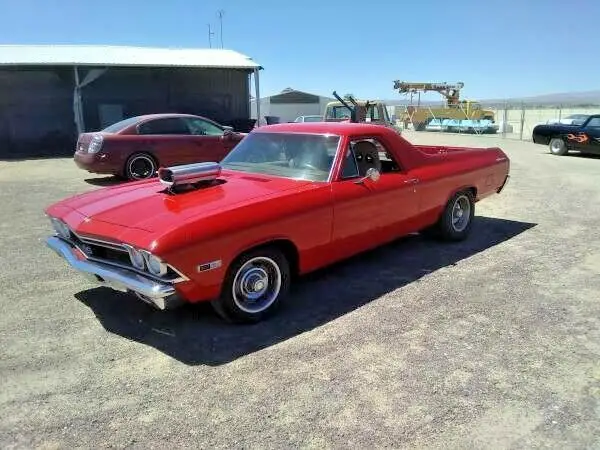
<point>473,191</point>
<point>287,247</point>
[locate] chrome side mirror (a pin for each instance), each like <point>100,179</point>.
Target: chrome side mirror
<point>372,174</point>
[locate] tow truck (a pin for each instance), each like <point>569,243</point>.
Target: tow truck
<point>361,111</point>
<point>457,116</point>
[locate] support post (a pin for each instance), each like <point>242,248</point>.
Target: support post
<point>77,112</point>
<point>522,121</point>
<point>257,96</point>
<point>505,120</point>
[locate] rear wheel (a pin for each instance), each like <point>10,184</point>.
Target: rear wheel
<point>558,146</point>
<point>140,166</point>
<point>254,287</point>
<point>457,218</point>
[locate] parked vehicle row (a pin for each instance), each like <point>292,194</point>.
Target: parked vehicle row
<point>286,200</point>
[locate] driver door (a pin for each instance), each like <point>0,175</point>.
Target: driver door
<point>368,213</point>
<point>590,143</point>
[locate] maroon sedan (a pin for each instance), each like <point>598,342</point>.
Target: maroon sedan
<point>136,147</point>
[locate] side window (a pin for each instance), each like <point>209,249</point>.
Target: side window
<point>170,125</point>
<point>374,113</point>
<point>349,166</point>
<point>365,153</point>
<point>203,128</point>
<point>388,163</point>
<point>594,123</point>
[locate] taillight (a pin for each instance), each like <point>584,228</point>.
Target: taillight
<point>95,144</point>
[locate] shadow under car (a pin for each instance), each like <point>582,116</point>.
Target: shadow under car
<point>193,334</point>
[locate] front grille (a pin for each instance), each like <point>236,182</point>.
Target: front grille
<point>116,255</point>
<point>109,254</point>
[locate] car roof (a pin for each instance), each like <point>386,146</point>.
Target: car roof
<point>342,128</point>
<point>164,115</point>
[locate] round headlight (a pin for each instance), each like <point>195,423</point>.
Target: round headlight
<point>136,257</point>
<point>61,228</point>
<point>155,265</point>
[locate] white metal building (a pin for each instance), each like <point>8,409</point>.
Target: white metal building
<point>289,104</point>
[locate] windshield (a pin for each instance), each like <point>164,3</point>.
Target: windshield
<point>577,119</point>
<point>291,155</point>
<point>313,118</point>
<point>116,127</point>
<point>338,112</point>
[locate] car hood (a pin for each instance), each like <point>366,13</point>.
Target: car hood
<point>148,206</point>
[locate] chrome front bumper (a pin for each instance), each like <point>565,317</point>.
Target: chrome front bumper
<point>161,295</point>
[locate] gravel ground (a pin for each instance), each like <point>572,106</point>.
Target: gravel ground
<point>490,343</point>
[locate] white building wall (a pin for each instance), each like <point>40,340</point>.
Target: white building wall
<point>323,103</point>
<point>288,111</point>
<point>265,104</point>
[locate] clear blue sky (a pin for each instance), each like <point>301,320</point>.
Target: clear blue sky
<point>497,48</point>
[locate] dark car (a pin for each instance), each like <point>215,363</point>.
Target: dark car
<point>136,147</point>
<point>582,136</point>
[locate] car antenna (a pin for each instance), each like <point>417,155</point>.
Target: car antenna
<point>343,102</point>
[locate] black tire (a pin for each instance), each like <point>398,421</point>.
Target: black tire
<point>263,265</point>
<point>140,166</point>
<point>449,229</point>
<point>558,146</point>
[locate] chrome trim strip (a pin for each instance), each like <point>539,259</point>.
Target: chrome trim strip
<point>100,242</point>
<point>501,188</point>
<point>140,272</point>
<point>338,155</point>
<point>118,279</point>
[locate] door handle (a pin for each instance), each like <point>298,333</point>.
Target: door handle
<point>411,181</point>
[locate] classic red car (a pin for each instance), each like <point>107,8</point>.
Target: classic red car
<point>134,148</point>
<point>289,199</point>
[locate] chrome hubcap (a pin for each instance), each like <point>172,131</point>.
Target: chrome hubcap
<point>256,284</point>
<point>461,212</point>
<point>141,167</point>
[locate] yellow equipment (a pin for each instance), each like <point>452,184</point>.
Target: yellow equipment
<point>455,109</point>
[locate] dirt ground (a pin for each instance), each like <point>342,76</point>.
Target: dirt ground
<point>489,343</point>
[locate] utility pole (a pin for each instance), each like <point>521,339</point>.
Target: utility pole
<point>210,34</point>
<point>220,14</point>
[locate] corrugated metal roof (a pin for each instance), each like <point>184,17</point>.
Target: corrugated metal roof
<point>106,55</point>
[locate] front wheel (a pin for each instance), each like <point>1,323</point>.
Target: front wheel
<point>558,146</point>
<point>254,287</point>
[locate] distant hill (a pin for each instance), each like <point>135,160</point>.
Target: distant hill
<point>583,98</point>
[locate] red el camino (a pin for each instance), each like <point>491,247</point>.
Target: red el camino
<point>134,148</point>
<point>289,199</point>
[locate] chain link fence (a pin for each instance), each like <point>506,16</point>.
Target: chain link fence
<point>512,120</point>
<point>520,119</point>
